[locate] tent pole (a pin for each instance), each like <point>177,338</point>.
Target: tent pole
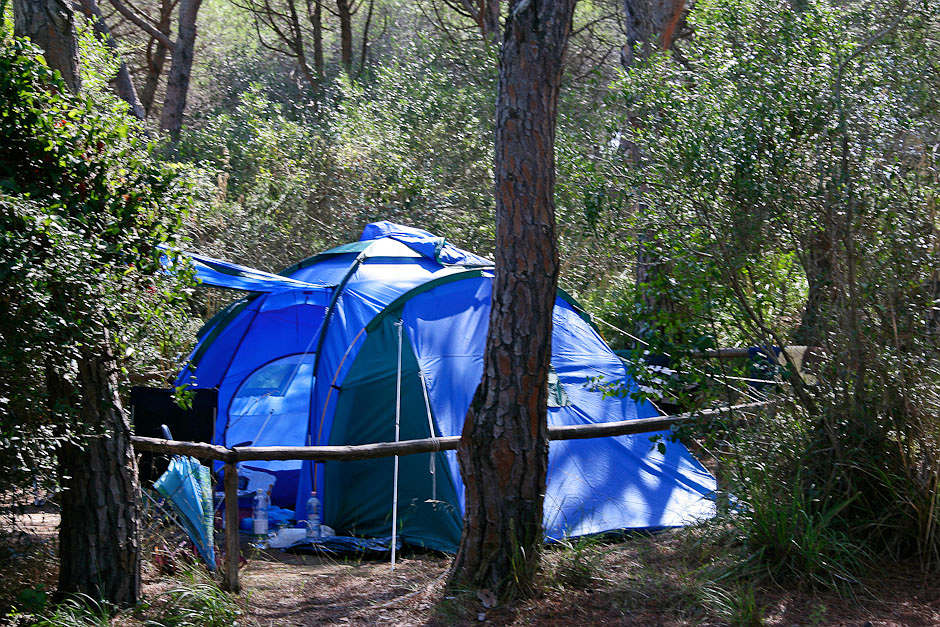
<point>397,435</point>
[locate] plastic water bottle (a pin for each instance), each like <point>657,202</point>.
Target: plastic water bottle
<point>313,517</point>
<point>259,518</point>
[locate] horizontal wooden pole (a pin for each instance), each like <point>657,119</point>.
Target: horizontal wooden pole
<point>413,447</point>
<point>347,453</point>
<point>199,450</point>
<point>721,353</point>
<point>642,425</point>
<point>738,353</point>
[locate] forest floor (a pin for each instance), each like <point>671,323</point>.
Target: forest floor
<point>661,579</point>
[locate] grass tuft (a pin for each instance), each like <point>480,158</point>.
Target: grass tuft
<point>196,599</point>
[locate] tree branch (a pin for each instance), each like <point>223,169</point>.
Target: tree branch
<point>142,23</point>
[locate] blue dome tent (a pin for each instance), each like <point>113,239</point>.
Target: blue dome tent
<point>311,357</point>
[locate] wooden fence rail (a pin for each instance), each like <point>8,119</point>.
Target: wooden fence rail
<point>231,456</point>
<point>413,447</point>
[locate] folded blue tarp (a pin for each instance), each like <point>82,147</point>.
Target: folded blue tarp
<point>187,487</point>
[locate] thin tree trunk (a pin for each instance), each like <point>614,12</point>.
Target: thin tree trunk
<point>504,446</point>
<point>50,24</point>
<point>298,41</point>
<point>123,83</point>
<point>650,25</point>
<point>157,59</point>
<point>316,20</point>
<point>365,39</point>
<point>345,34</point>
<point>817,264</point>
<point>99,548</point>
<point>177,86</point>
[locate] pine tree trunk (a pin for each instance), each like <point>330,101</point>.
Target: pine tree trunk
<point>181,64</point>
<point>504,447</point>
<point>99,548</point>
<point>50,24</point>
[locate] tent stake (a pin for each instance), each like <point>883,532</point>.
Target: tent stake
<point>397,435</point>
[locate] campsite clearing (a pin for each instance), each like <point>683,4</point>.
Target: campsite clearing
<point>643,580</point>
<point>659,579</point>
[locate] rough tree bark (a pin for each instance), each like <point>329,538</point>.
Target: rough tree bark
<point>50,24</point>
<point>650,25</point>
<point>177,85</point>
<point>123,83</point>
<point>504,446</point>
<point>99,548</point>
<point>99,552</point>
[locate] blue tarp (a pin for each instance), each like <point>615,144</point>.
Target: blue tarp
<point>431,246</point>
<point>187,487</point>
<point>218,273</point>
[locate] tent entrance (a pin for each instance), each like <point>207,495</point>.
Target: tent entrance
<point>271,407</point>
<point>358,498</point>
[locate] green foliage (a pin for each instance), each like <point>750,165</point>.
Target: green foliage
<point>194,600</point>
<point>32,599</point>
<point>576,562</point>
<point>737,606</point>
<point>83,207</point>
<point>80,610</point>
<point>408,142</point>
<point>792,150</point>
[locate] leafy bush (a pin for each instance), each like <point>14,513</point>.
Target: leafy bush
<point>83,207</point>
<point>576,562</point>
<point>78,611</point>
<point>794,148</point>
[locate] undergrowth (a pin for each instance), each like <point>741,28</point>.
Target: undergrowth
<point>193,600</point>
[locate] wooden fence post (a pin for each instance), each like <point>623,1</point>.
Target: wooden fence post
<point>230,580</point>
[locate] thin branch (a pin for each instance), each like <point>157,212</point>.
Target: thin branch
<point>143,23</point>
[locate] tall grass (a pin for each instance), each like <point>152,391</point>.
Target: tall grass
<point>195,600</point>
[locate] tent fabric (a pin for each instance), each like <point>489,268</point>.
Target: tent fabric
<point>218,273</point>
<point>303,366</point>
<point>432,247</point>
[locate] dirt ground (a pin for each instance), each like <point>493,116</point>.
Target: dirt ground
<point>639,580</point>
